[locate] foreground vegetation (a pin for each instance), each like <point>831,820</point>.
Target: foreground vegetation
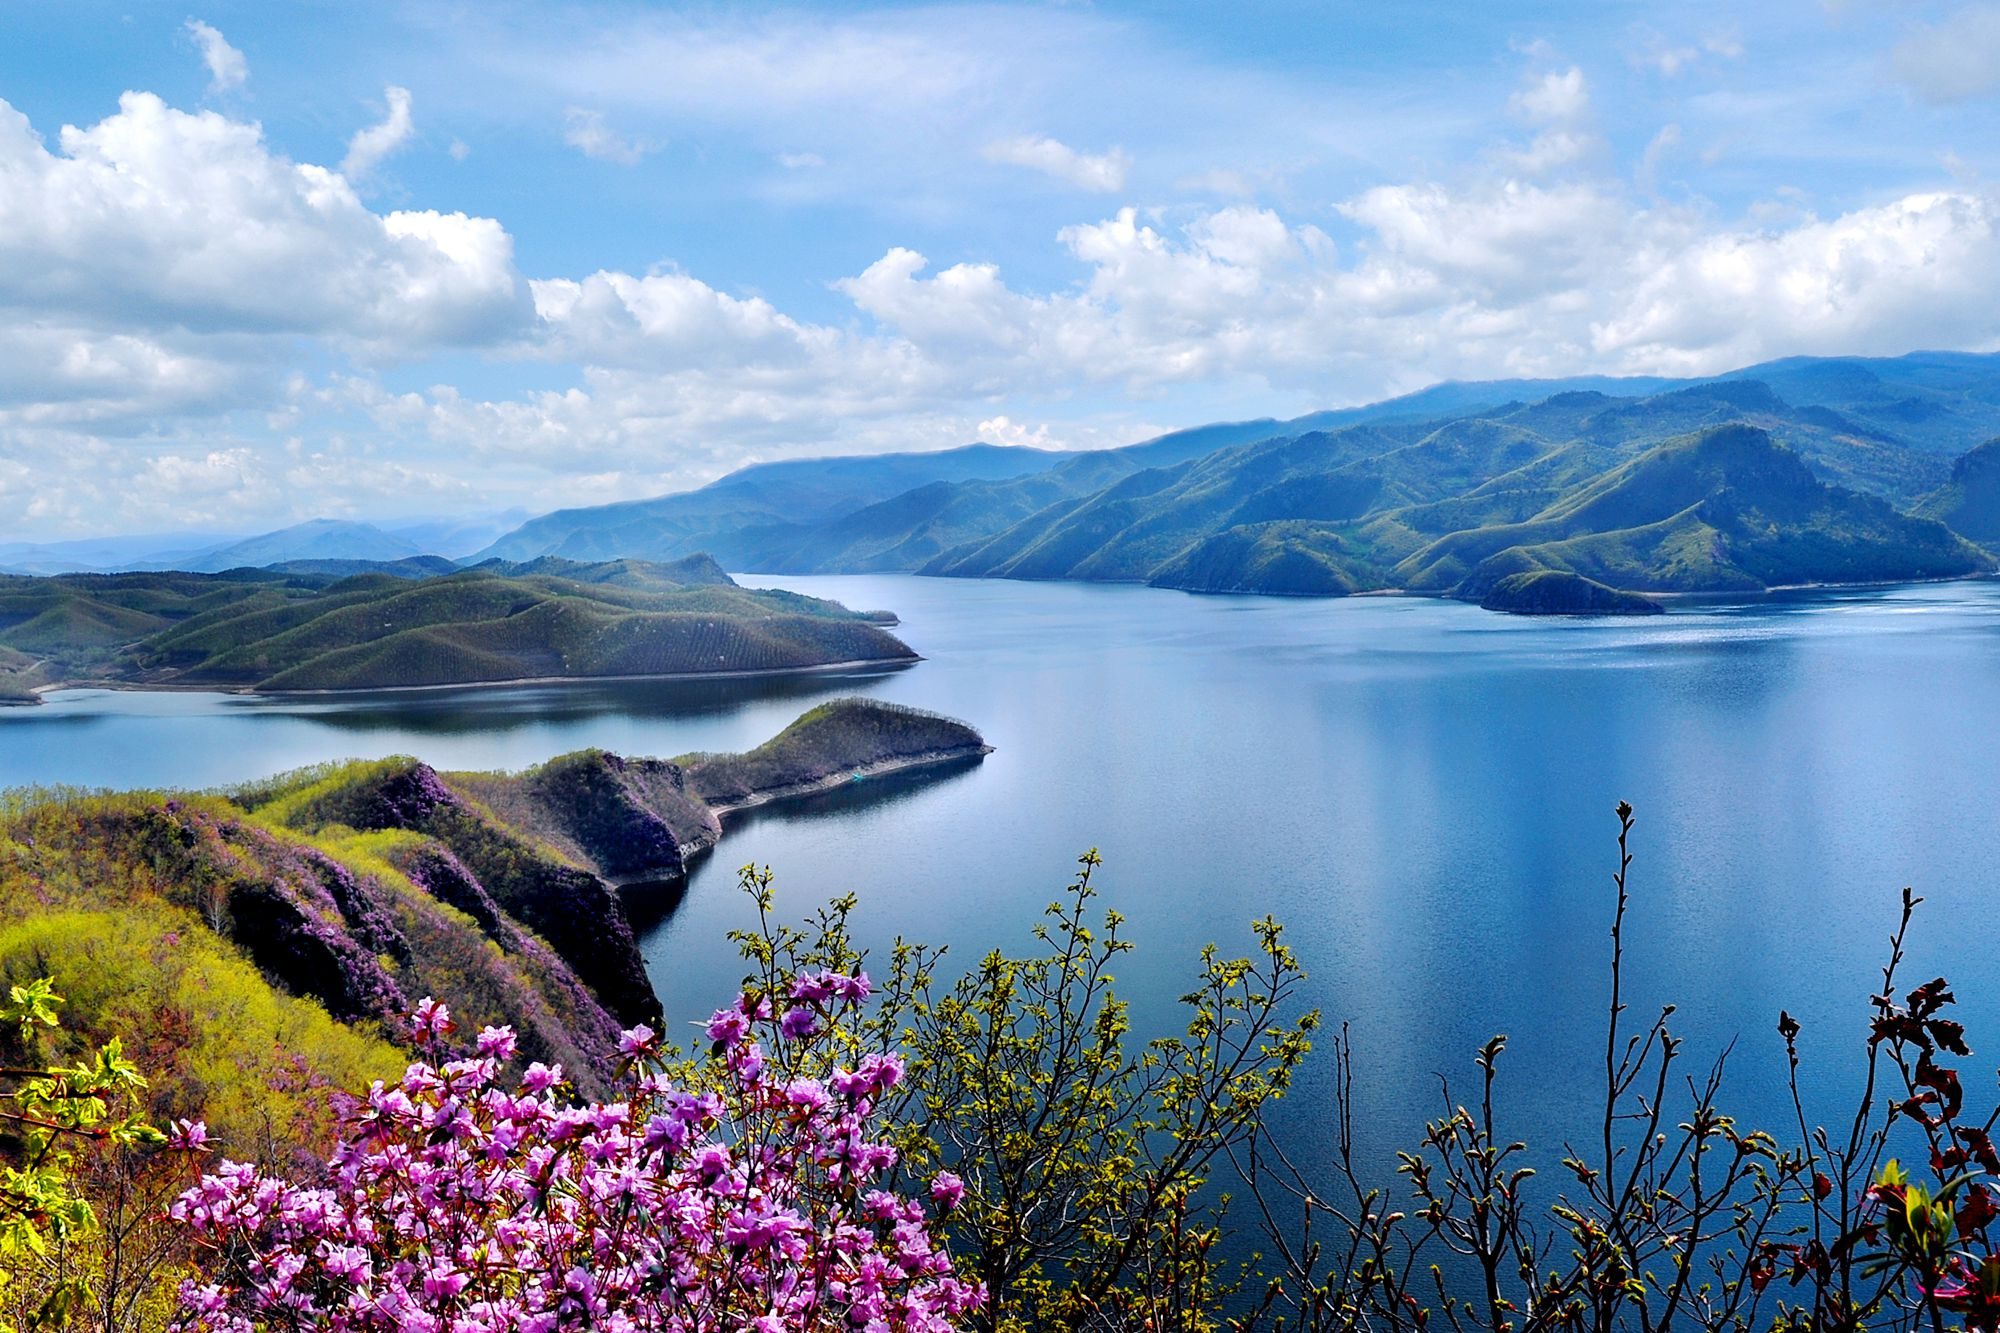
<point>298,629</point>
<point>991,1149</point>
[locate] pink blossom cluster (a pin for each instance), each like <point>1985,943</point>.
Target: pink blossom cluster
<point>750,1197</point>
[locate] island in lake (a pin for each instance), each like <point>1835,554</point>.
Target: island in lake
<point>361,887</point>
<point>333,625</point>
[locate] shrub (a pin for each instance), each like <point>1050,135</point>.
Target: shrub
<point>748,1196</point>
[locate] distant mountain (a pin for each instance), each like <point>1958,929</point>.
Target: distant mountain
<point>774,517</point>
<point>769,498</point>
<point>320,539</point>
<point>1727,508</point>
<point>1884,427</point>
<point>458,536</point>
<point>95,553</point>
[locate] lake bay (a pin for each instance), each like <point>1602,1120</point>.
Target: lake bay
<point>1422,791</point>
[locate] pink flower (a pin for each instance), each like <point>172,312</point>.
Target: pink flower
<point>457,1204</point>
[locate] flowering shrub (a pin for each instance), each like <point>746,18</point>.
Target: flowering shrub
<point>736,1192</point>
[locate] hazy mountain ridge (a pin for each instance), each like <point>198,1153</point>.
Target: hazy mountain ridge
<point>1334,501</point>
<point>1397,474</point>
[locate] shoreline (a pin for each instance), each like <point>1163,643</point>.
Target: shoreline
<point>251,691</point>
<point>1718,595</point>
<point>832,781</point>
<point>648,882</point>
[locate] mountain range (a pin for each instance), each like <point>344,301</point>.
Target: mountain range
<point>1800,470</point>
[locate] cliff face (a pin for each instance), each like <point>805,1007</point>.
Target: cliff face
<point>626,820</point>
<point>576,912</point>
<point>258,949</point>
<point>366,935</point>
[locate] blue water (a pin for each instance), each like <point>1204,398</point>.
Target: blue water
<point>1421,790</point>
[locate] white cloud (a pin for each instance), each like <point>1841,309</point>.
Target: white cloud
<point>1674,60</point>
<point>1103,172</point>
<point>185,230</point>
<point>1953,60</point>
<point>227,69</point>
<point>1917,272</point>
<point>1561,97</point>
<point>800,161</point>
<point>368,147</point>
<point>586,132</point>
<point>165,278</point>
<point>1005,430</point>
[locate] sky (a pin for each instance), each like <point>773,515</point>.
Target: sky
<point>264,262</point>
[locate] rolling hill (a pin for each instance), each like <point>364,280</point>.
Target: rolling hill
<point>270,630</point>
<point>1680,492</point>
<point>1883,427</point>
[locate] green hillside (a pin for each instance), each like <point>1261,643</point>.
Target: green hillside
<point>1412,469</point>
<point>266,630</point>
<point>1549,592</point>
<point>836,740</point>
<point>1726,507</point>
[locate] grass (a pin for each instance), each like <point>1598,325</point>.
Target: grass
<point>263,630</point>
<point>834,738</point>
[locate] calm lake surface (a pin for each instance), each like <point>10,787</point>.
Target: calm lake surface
<point>1421,790</point>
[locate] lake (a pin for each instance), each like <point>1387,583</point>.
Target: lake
<point>1422,791</point>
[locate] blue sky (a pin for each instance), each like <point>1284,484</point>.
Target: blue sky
<point>262,262</point>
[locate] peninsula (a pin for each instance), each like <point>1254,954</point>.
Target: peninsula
<point>348,891</point>
<point>319,626</point>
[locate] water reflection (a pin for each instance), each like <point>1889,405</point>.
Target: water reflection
<point>446,712</point>
<point>1421,790</point>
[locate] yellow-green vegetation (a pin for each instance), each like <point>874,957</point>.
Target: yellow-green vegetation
<point>276,630</point>
<point>68,1125</point>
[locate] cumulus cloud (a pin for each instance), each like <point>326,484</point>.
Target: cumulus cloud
<point>1952,60</point>
<point>1561,97</point>
<point>586,132</point>
<point>1102,172</point>
<point>187,231</point>
<point>227,69</point>
<point>368,147</point>
<point>161,270</point>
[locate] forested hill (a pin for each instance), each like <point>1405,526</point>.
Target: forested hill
<point>1352,500</point>
<point>1699,491</point>
<point>309,627</point>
